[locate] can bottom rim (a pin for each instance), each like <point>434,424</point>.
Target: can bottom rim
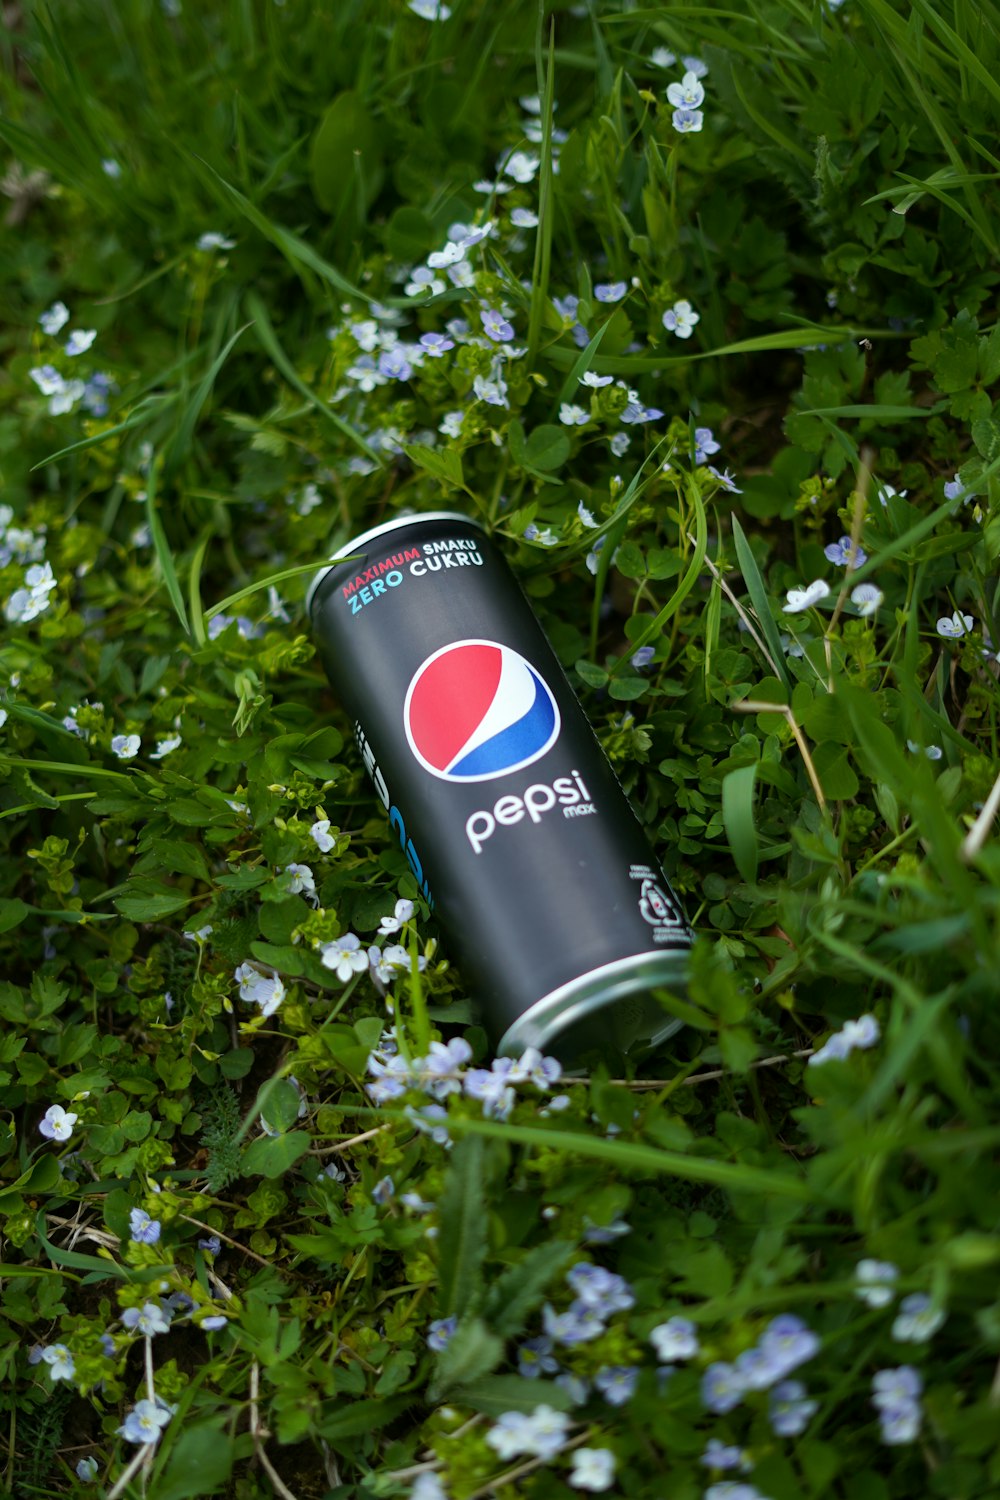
<point>583,1013</point>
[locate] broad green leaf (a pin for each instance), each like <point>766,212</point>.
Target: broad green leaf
<point>462,1239</point>
<point>738,817</point>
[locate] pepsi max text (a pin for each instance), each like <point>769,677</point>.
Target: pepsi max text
<point>499,794</point>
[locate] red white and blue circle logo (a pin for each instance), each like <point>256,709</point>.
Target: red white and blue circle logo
<point>475,710</point>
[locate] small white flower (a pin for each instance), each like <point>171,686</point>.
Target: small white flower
<point>54,320</point>
<point>57,1123</point>
<point>200,934</point>
<point>303,882</point>
<point>867,598</point>
<point>521,167</point>
<point>60,1362</point>
<point>321,835</point>
<point>80,340</point>
<point>593,1469</point>
<point>402,913</point>
<point>662,57</point>
<point>125,746</point>
<point>595,381</point>
<point>64,399</point>
<point>215,241</point>
<point>430,10</point>
<point>875,1282</point>
<point>438,260</point>
<point>451,425</point>
<point>164,747</point>
<point>674,1339</point>
<point>573,416</point>
<point>932,752</point>
<point>3,717</point>
<point>586,517</point>
<point>523,218</point>
<point>800,599</point>
<point>47,379</point>
<point>345,957</point>
<point>111,168</point>
<point>688,94</point>
<point>917,1320</point>
<point>680,319</point>
<point>953,629</point>
<point>265,990</point>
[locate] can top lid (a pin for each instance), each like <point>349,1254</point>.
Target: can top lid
<point>376,531</point>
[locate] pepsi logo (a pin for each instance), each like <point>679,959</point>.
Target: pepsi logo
<point>475,710</point>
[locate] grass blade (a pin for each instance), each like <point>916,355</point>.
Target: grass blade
<point>759,600</point>
<point>462,1236</point>
<point>737,816</point>
<point>281,361</point>
<point>162,549</point>
<point>181,442</point>
<point>543,243</point>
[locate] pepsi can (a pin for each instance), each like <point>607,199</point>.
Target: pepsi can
<point>516,829</point>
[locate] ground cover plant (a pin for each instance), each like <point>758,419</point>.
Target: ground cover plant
<point>693,306</point>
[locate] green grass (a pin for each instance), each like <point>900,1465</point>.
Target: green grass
<point>820,784</point>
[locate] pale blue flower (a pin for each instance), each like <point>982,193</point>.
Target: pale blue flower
<point>954,628</point>
<point>86,1469</point>
<point>57,1123</point>
<point>800,599</point>
<point>867,599</point>
<point>726,480</point>
<point>345,956</point>
<point>686,95</point>
<point>148,1320</point>
<point>435,344</point>
<point>573,416</point>
<point>687,121</point>
<point>265,990</point>
<point>862,1033</point>
<point>111,168</point>
<point>788,1409</point>
<point>521,166</point>
<point>493,392</point>
<point>394,364</point>
<point>430,10</point>
<point>578,1325</point>
<point>495,326</point>
<point>212,1244</point>
<point>593,1469</point>
<point>566,307</point>
<point>145,1422</point>
<point>492,1090</point>
<point>635,414</point>
<point>896,1394</point>
<point>731,1489</point>
<point>585,516</point>
<point>383,1190</point>
<point>719,1455</point>
<point>677,1338</point>
<point>213,1323</point>
<point>523,218</point>
<point>788,1340</point>
<point>704,444</point>
<point>80,341</point>
<point>402,913</point>
<point>610,291</point>
<point>451,424</point>
<point>96,392</point>
<point>600,1289</point>
<point>875,1282</point>
<point>143,1229</point>
<point>696,66</point>
<point>845,554</point>
<point>917,1320</point>
<point>620,444</point>
<point>617,1383</point>
<point>441,1332</point>
<point>125,746</point>
<point>721,1388</point>
<point>932,752</point>
<point>60,1361</point>
<point>53,321</point>
<point>534,1358</point>
<point>662,57</point>
<point>681,318</point>
<point>642,657</point>
<point>595,381</point>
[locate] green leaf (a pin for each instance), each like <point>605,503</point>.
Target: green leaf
<point>41,1177</point>
<point>12,913</point>
<point>547,447</point>
<point>471,1352</point>
<point>181,442</point>
<point>162,548</point>
<point>495,1394</point>
<point>345,158</point>
<point>462,1239</point>
<point>272,1156</point>
<point>352,1419</point>
<point>738,819</point>
<point>835,772</point>
<point>444,464</point>
<point>515,1295</point>
<point>148,901</point>
<point>199,1463</point>
<point>278,1103</point>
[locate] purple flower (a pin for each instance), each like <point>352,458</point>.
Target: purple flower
<point>788,1342</point>
<point>845,554</point>
<point>642,657</point>
<point>726,480</point>
<point>441,1332</point>
<point>602,1290</point>
<point>213,1244</point>
<point>394,364</point>
<point>496,327</point>
<point>704,444</point>
<point>143,1229</point>
<point>719,1455</point>
<point>436,344</point>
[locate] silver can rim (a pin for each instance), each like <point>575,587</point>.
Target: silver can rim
<point>416,518</point>
<point>543,1022</point>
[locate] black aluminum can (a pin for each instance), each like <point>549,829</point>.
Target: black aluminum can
<point>512,820</point>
